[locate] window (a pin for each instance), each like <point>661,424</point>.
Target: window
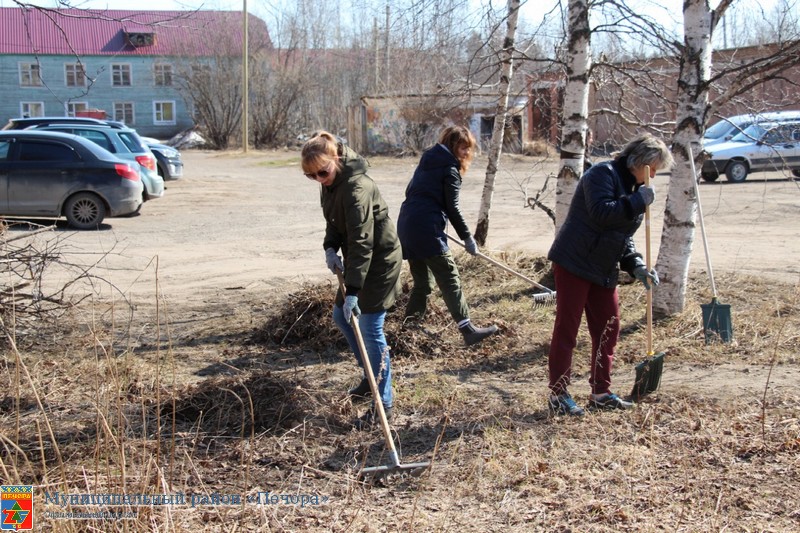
<point>123,112</point>
<point>96,137</point>
<point>31,109</point>
<point>163,112</point>
<point>72,108</point>
<point>121,75</point>
<point>45,151</point>
<point>75,75</point>
<point>4,146</point>
<point>163,75</point>
<point>30,75</point>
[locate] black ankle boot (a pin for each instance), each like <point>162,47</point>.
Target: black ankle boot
<point>473,335</point>
<point>360,391</point>
<point>371,418</point>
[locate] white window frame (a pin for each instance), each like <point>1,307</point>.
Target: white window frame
<point>162,72</point>
<point>70,108</point>
<point>78,74</point>
<point>123,69</point>
<point>119,118</point>
<point>158,112</point>
<point>27,78</point>
<point>24,109</point>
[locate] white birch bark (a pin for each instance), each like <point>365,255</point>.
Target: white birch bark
<point>576,107</point>
<point>678,231</point>
<point>500,117</point>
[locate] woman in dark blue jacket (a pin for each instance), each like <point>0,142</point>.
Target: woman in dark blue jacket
<point>431,201</point>
<point>595,241</point>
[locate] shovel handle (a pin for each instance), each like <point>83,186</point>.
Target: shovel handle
<point>362,350</point>
<point>648,263</point>
<point>702,225</point>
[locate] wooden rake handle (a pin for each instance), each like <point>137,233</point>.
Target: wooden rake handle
<point>373,385</point>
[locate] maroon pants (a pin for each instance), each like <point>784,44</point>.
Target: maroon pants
<point>574,296</point>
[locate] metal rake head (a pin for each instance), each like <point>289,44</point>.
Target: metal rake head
<point>544,299</point>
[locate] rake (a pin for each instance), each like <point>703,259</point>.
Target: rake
<point>648,372</point>
<point>396,466</point>
<point>540,298</point>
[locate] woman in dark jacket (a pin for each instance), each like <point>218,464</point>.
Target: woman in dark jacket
<point>595,241</point>
<point>431,201</point>
<point>358,225</point>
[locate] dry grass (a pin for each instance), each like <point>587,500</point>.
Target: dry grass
<point>241,405</point>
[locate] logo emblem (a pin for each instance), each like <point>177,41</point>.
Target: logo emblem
<point>16,513</point>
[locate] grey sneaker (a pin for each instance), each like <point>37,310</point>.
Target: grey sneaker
<point>608,403</point>
<point>563,404</point>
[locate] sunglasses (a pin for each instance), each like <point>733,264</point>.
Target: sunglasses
<point>321,174</point>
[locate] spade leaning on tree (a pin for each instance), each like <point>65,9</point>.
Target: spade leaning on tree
<point>357,225</point>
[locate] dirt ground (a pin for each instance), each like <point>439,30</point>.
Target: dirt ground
<point>244,223</point>
<point>222,269</point>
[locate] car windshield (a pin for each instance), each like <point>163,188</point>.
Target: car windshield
<point>723,126</point>
<point>752,133</point>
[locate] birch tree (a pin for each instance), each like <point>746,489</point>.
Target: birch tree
<point>500,117</point>
<point>693,111</point>
<point>576,106</point>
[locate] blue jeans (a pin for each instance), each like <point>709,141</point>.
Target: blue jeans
<point>371,326</point>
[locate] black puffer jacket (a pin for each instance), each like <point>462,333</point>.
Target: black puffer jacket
<point>431,200</point>
<point>596,239</point>
<point>358,223</point>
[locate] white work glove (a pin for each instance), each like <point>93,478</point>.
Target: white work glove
<point>471,246</point>
<point>333,260</point>
<point>646,277</point>
<point>350,307</point>
<point>648,194</point>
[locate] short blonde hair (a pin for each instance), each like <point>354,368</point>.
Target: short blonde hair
<point>319,151</point>
<point>646,149</point>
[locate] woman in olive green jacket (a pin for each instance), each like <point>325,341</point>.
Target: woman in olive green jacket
<point>357,224</point>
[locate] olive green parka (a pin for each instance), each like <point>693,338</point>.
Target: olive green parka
<point>358,224</point>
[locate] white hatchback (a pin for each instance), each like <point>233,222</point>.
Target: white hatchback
<point>764,146</point>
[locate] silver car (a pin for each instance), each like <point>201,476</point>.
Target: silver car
<point>51,174</point>
<point>124,143</point>
<point>762,146</point>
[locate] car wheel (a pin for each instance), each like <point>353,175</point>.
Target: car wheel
<point>710,177</point>
<point>85,211</point>
<point>796,173</point>
<point>736,171</point>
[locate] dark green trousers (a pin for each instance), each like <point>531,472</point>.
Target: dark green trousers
<point>441,270</point>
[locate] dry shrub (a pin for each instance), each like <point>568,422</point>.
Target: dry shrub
<point>538,148</point>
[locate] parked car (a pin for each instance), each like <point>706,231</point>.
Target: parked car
<point>762,146</point>
<point>53,174</point>
<point>168,159</point>
<point>727,128</point>
<point>124,142</point>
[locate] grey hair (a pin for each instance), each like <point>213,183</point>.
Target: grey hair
<point>646,149</point>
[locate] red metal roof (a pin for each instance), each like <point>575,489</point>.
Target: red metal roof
<point>103,32</point>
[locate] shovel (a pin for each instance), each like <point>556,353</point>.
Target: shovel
<point>648,372</point>
<point>716,316</point>
<point>542,298</point>
<point>395,466</point>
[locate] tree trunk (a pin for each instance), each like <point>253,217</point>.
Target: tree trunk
<point>498,131</point>
<point>681,206</point>
<point>576,107</point>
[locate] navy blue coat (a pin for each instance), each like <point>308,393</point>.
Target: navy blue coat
<point>431,201</point>
<point>596,239</point>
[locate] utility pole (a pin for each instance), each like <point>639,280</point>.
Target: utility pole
<point>245,76</point>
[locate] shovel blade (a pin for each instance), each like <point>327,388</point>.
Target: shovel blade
<point>717,324</point>
<point>648,376</point>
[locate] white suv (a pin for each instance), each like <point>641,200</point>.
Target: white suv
<point>763,146</point>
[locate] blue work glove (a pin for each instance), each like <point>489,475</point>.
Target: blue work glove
<point>648,194</point>
<point>471,246</point>
<point>646,277</point>
<point>333,260</point>
<point>350,307</point>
